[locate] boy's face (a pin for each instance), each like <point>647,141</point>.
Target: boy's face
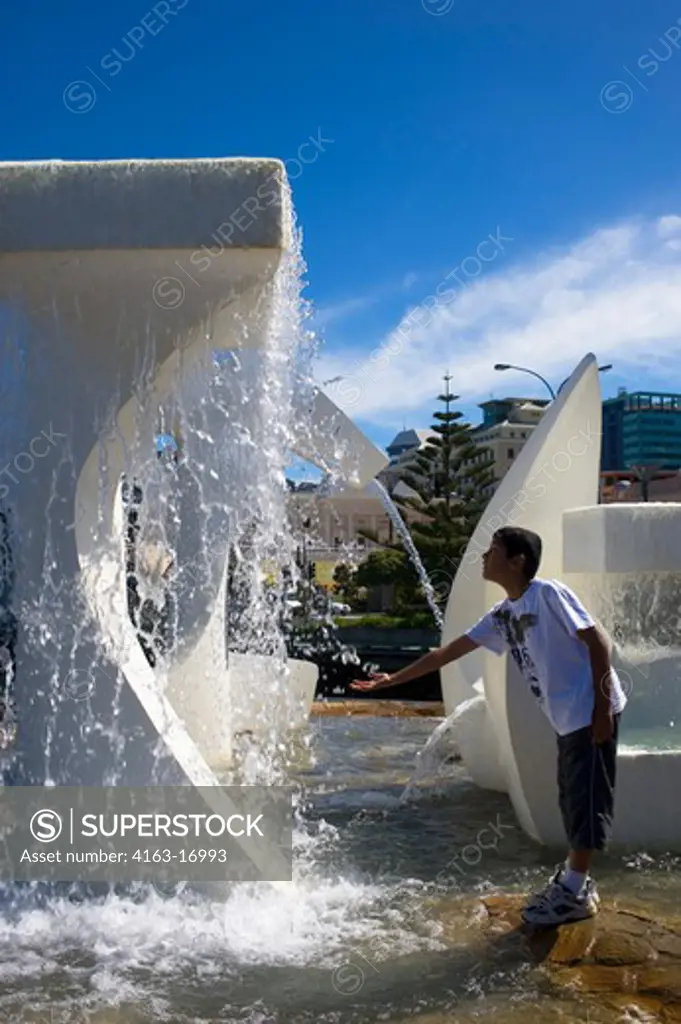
<point>496,565</point>
<point>493,560</point>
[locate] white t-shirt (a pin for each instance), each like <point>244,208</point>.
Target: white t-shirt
<point>540,631</point>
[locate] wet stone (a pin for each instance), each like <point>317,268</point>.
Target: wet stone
<point>632,960</point>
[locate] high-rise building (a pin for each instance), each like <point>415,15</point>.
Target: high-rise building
<point>641,428</point>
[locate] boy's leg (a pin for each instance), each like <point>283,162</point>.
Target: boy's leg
<point>586,786</point>
<point>579,861</point>
<point>588,772</point>
<point>592,820</point>
<point>553,888</point>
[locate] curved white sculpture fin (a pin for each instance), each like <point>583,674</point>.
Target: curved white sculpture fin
<point>557,469</point>
<point>335,444</point>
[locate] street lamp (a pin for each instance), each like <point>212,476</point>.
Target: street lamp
<point>524,369</point>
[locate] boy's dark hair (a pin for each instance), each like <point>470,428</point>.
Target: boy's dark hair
<point>518,541</point>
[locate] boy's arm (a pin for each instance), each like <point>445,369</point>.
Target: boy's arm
<point>579,623</point>
<point>601,668</point>
<point>431,662</point>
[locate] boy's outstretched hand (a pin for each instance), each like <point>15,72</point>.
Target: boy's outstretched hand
<point>377,681</point>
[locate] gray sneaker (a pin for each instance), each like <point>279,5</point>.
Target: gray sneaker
<point>538,897</point>
<point>589,888</point>
<point>558,905</point>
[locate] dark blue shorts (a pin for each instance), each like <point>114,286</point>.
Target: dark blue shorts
<point>586,787</point>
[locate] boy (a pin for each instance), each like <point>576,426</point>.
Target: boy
<point>565,659</point>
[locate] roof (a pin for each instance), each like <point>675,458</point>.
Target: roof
<point>404,439</point>
<point>541,402</point>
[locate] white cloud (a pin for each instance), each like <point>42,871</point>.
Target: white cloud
<point>616,293</point>
<point>326,315</point>
<point>670,225</point>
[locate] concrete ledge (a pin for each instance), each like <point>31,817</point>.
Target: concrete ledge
<point>622,538</point>
<point>144,204</point>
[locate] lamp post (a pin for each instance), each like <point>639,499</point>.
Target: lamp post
<point>524,369</point>
<point>644,475</point>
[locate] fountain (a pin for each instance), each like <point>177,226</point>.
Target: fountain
<point>108,339</point>
<point>84,254</point>
<point>263,695</point>
<point>360,930</point>
<point>622,561</point>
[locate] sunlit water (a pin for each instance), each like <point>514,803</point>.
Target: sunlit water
<point>375,925</point>
<point>440,750</point>
<point>411,549</point>
<point>640,611</point>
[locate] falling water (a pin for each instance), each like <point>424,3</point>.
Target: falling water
<point>440,750</point>
<point>394,513</point>
<point>237,423</point>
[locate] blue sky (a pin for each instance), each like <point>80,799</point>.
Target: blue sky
<point>438,124</point>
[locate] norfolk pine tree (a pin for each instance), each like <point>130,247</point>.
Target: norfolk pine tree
<point>453,478</point>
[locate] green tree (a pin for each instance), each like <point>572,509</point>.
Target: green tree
<point>452,477</point>
<point>390,567</point>
<point>345,584</point>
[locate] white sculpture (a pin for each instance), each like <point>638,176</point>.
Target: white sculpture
<point>553,489</point>
<point>99,301</point>
<point>111,296</point>
<point>533,494</point>
<point>249,692</point>
<point>328,439</point>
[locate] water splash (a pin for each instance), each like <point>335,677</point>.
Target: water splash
<point>639,610</point>
<point>403,530</point>
<point>441,749</point>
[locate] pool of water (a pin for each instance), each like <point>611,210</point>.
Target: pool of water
<point>651,739</point>
<point>374,927</point>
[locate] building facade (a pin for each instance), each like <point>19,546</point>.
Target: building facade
<point>641,428</point>
<point>506,426</point>
<point>624,486</point>
<point>333,523</point>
